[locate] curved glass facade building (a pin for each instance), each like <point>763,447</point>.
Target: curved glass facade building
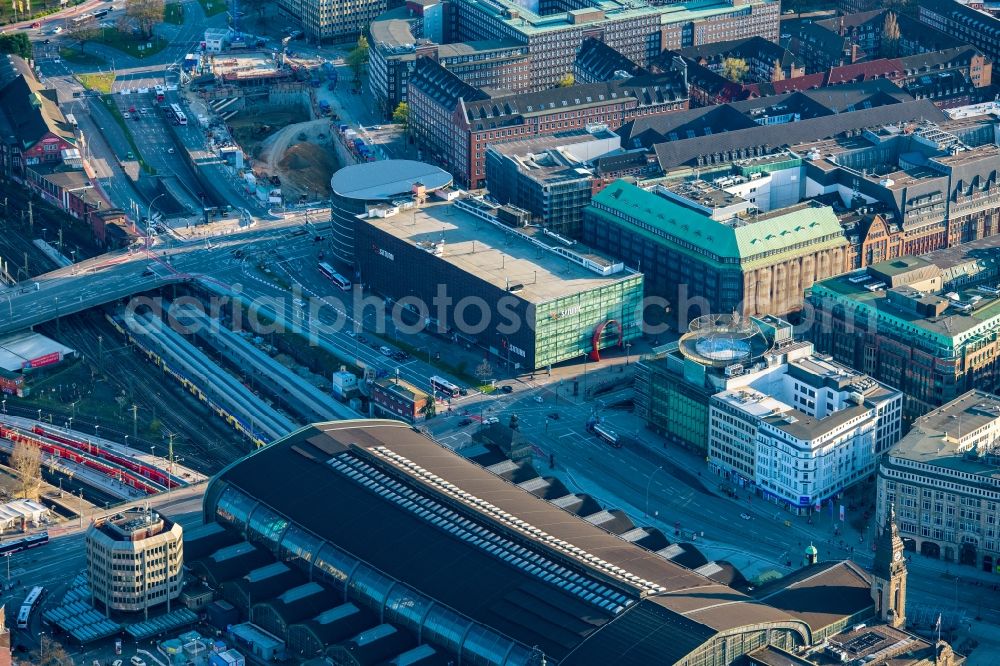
<point>360,583</point>
<point>366,512</point>
<point>358,187</point>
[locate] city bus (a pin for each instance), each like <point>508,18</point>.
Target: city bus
<point>28,607</point>
<point>333,276</point>
<point>24,543</point>
<point>608,435</point>
<point>441,385</point>
<point>176,115</point>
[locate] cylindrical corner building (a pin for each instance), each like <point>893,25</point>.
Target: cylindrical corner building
<point>360,186</point>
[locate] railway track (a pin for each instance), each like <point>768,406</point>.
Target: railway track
<point>201,439</point>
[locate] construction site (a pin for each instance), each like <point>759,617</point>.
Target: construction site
<point>269,108</point>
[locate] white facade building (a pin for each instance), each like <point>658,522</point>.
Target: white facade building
<point>803,431</point>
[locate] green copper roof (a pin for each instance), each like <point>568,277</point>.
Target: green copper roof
<point>774,233</point>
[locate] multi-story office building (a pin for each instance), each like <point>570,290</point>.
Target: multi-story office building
<point>637,29</point>
<point>970,25</point>
<point>550,177</point>
<point>898,188</point>
<point>358,187</point>
<point>455,122</point>
<point>135,560</point>
<point>478,272</point>
<point>333,20</point>
<point>596,61</point>
<point>705,250</point>
<point>943,478</point>
<point>765,60</point>
<point>674,385</point>
<point>857,36</point>
<point>398,39</point>
<point>811,430</point>
<point>927,324</point>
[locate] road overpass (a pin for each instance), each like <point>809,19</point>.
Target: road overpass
<point>121,274</point>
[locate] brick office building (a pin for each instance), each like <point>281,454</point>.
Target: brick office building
<point>455,122</point>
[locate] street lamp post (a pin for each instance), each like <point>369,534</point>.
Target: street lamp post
<point>628,347</point>
<point>648,484</point>
<point>149,216</point>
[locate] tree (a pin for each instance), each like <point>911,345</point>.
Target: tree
<point>889,47</point>
<point>83,34</point>
<point>735,69</point>
<point>402,114</point>
<point>358,58</point>
<point>484,370</point>
<point>26,461</point>
<point>50,653</point>
<point>567,80</point>
<point>146,13</point>
<point>16,43</point>
<point>429,410</point>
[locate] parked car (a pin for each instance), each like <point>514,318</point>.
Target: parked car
<point>127,115</point>
<point>507,388</point>
<point>463,391</point>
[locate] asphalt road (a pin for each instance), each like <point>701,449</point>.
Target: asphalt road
<point>54,565</point>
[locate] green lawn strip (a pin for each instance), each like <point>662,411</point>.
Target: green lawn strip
<point>131,45</point>
<point>120,119</point>
<point>101,82</point>
<point>81,58</point>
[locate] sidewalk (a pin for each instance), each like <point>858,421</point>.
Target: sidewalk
<point>820,532</point>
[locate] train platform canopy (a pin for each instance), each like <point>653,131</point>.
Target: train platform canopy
<point>13,513</point>
<point>27,350</point>
<point>164,624</point>
<point>82,622</point>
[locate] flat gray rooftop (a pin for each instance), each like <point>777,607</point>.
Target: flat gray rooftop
<point>386,179</point>
<point>494,254</point>
<point>935,437</point>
